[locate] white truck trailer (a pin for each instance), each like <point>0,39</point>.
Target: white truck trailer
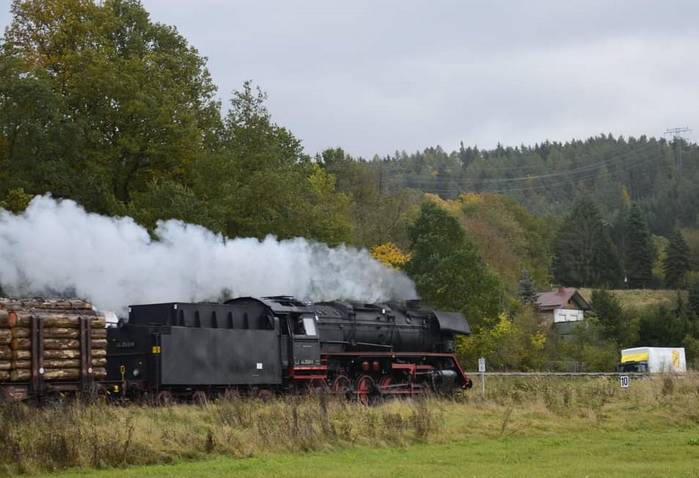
<point>653,360</point>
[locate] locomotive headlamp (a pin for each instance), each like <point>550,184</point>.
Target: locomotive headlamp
<point>136,372</point>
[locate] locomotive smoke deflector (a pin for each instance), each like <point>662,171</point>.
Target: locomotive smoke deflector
<point>453,322</point>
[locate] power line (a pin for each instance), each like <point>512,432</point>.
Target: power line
<point>569,172</point>
<point>431,181</point>
<point>560,183</point>
<point>493,158</point>
<point>677,135</point>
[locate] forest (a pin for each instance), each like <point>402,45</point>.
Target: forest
<point>102,105</point>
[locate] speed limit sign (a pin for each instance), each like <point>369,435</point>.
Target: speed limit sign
<point>624,381</point>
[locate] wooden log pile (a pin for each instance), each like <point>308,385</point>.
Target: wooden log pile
<point>60,320</point>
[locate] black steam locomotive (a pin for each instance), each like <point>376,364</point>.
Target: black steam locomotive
<point>278,344</point>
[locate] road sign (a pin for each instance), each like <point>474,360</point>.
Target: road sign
<point>481,365</point>
<point>624,381</point>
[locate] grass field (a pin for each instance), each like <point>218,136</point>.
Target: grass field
<point>640,299</point>
<point>521,427</point>
<point>608,454</point>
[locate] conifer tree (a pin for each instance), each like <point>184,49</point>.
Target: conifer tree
<point>610,315</point>
<point>694,297</point>
<point>526,289</point>
<point>676,263</point>
<point>584,254</point>
<point>639,249</point>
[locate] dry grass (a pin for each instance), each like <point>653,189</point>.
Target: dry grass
<point>98,435</point>
<point>640,299</point>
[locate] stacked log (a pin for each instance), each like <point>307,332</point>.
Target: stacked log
<point>5,350</point>
<point>60,321</point>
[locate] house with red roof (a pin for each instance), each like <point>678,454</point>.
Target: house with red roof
<point>562,308</point>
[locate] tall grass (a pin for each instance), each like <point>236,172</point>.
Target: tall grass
<point>99,435</point>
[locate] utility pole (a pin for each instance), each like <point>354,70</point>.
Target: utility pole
<point>677,136</point>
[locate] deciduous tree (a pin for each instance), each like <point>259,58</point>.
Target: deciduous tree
<point>391,255</point>
<point>447,269</point>
<point>261,182</point>
<point>98,101</point>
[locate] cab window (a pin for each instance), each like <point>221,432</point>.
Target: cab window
<point>305,326</point>
<point>310,326</point>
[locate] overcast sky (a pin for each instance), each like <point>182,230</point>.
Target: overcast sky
<point>378,76</point>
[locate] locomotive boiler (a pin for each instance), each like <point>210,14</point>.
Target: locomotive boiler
<point>278,344</point>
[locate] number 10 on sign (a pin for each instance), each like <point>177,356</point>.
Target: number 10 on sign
<point>624,381</point>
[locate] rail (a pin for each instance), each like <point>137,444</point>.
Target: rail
<point>474,373</point>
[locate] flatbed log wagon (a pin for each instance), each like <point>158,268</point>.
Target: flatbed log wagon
<point>50,348</point>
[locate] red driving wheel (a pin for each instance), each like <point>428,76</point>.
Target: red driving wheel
<point>340,385</point>
<point>384,384</point>
<point>364,388</point>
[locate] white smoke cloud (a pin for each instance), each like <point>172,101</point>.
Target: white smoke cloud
<point>56,246</point>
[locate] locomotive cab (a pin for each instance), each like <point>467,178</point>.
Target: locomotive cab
<point>305,340</point>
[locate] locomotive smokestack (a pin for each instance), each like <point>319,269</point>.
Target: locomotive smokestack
<point>413,304</point>
<point>56,246</point>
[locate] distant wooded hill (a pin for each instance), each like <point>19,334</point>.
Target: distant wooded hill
<point>660,176</point>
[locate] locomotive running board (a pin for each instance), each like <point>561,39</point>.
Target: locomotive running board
<point>466,381</point>
<point>308,372</point>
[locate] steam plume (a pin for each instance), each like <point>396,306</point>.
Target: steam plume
<point>56,246</point>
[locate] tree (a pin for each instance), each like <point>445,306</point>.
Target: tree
<point>587,348</point>
<point>325,211</point>
<point>380,208</point>
<point>640,252</point>
<point>447,269</point>
<point>583,251</point>
<point>526,290</point>
<point>391,255</point>
<point>663,327</point>
<point>508,236</point>
<point>515,341</point>
<point>98,102</point>
<point>693,299</point>
<point>261,182</point>
<point>16,201</point>
<point>258,175</point>
<point>676,263</point>
<point>610,315</point>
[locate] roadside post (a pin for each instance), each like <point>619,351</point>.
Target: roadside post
<point>624,381</point>
<point>481,370</point>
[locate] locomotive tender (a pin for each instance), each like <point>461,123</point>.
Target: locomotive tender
<point>278,344</point>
